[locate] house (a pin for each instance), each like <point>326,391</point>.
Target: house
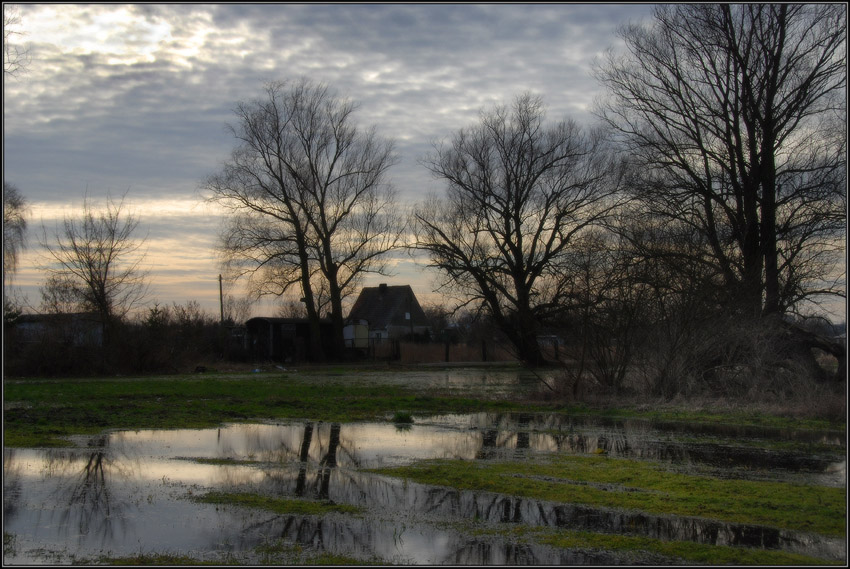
<point>388,312</point>
<point>283,339</point>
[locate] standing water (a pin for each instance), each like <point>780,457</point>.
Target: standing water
<point>133,492</point>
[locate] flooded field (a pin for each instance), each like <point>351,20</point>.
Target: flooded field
<point>303,491</point>
<point>129,493</point>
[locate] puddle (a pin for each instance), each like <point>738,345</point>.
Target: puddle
<point>663,441</point>
<point>129,492</point>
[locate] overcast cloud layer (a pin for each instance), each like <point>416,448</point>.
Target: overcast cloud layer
<point>135,98</point>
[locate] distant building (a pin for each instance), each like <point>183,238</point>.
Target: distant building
<point>379,313</point>
<point>283,339</point>
<point>77,329</point>
<point>387,312</point>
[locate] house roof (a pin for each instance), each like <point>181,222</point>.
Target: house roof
<point>383,305</point>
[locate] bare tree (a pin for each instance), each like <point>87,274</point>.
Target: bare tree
<point>290,307</point>
<point>59,295</point>
<point>732,115</point>
<point>15,57</point>
<point>310,204</point>
<point>14,227</point>
<point>237,309</point>
<point>95,260</point>
<point>520,194</point>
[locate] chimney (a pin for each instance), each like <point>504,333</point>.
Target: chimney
<point>382,288</point>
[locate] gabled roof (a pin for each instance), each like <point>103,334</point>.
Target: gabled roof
<point>383,305</point>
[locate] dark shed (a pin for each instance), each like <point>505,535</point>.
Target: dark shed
<point>283,339</point>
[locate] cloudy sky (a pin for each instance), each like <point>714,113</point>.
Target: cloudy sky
<point>135,98</point>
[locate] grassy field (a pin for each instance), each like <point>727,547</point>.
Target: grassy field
<point>43,412</point>
<point>643,486</point>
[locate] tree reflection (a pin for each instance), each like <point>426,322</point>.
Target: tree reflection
<point>91,505</point>
<point>328,462</point>
<point>11,484</point>
<point>303,456</point>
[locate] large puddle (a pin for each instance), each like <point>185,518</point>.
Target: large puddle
<point>129,492</point>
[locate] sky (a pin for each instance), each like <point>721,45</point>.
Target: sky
<point>134,99</point>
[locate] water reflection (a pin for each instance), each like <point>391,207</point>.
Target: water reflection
<point>80,485</point>
<point>571,423</point>
<point>397,543</point>
<point>482,436</point>
<point>635,438</point>
<point>432,503</point>
<point>123,492</point>
<point>12,471</point>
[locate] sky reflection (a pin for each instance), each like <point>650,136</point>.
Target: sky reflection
<point>130,491</point>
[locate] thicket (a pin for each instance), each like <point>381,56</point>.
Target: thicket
<point>163,339</point>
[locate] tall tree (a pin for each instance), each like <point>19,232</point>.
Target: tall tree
<point>310,203</point>
<point>14,227</point>
<point>14,240</point>
<point>520,196</point>
<point>732,114</point>
<point>95,259</point>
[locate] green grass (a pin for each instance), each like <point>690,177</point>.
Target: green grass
<point>292,555</point>
<point>160,559</point>
<point>281,552</point>
<point>701,554</point>
<point>403,417</point>
<point>742,418</point>
<point>220,461</point>
<point>287,506</point>
<point>651,488</point>
<point>43,412</point>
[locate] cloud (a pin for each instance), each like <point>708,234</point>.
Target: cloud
<point>135,97</point>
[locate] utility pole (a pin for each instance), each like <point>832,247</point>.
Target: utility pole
<point>221,299</point>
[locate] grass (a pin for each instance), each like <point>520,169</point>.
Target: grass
<point>289,506</point>
<point>43,412</point>
<point>403,417</point>
<point>162,559</point>
<point>644,486</point>
<point>689,552</point>
<point>680,412</point>
<point>292,555</point>
<point>220,461</point>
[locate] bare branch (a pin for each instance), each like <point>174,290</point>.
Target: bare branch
<point>519,196</point>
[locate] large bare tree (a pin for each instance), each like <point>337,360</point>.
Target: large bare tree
<point>310,203</point>
<point>14,241</point>
<point>520,196</point>
<point>14,227</point>
<point>733,116</point>
<point>96,261</point>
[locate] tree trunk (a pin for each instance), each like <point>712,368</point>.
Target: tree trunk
<point>337,321</point>
<point>525,334</point>
<point>315,351</point>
